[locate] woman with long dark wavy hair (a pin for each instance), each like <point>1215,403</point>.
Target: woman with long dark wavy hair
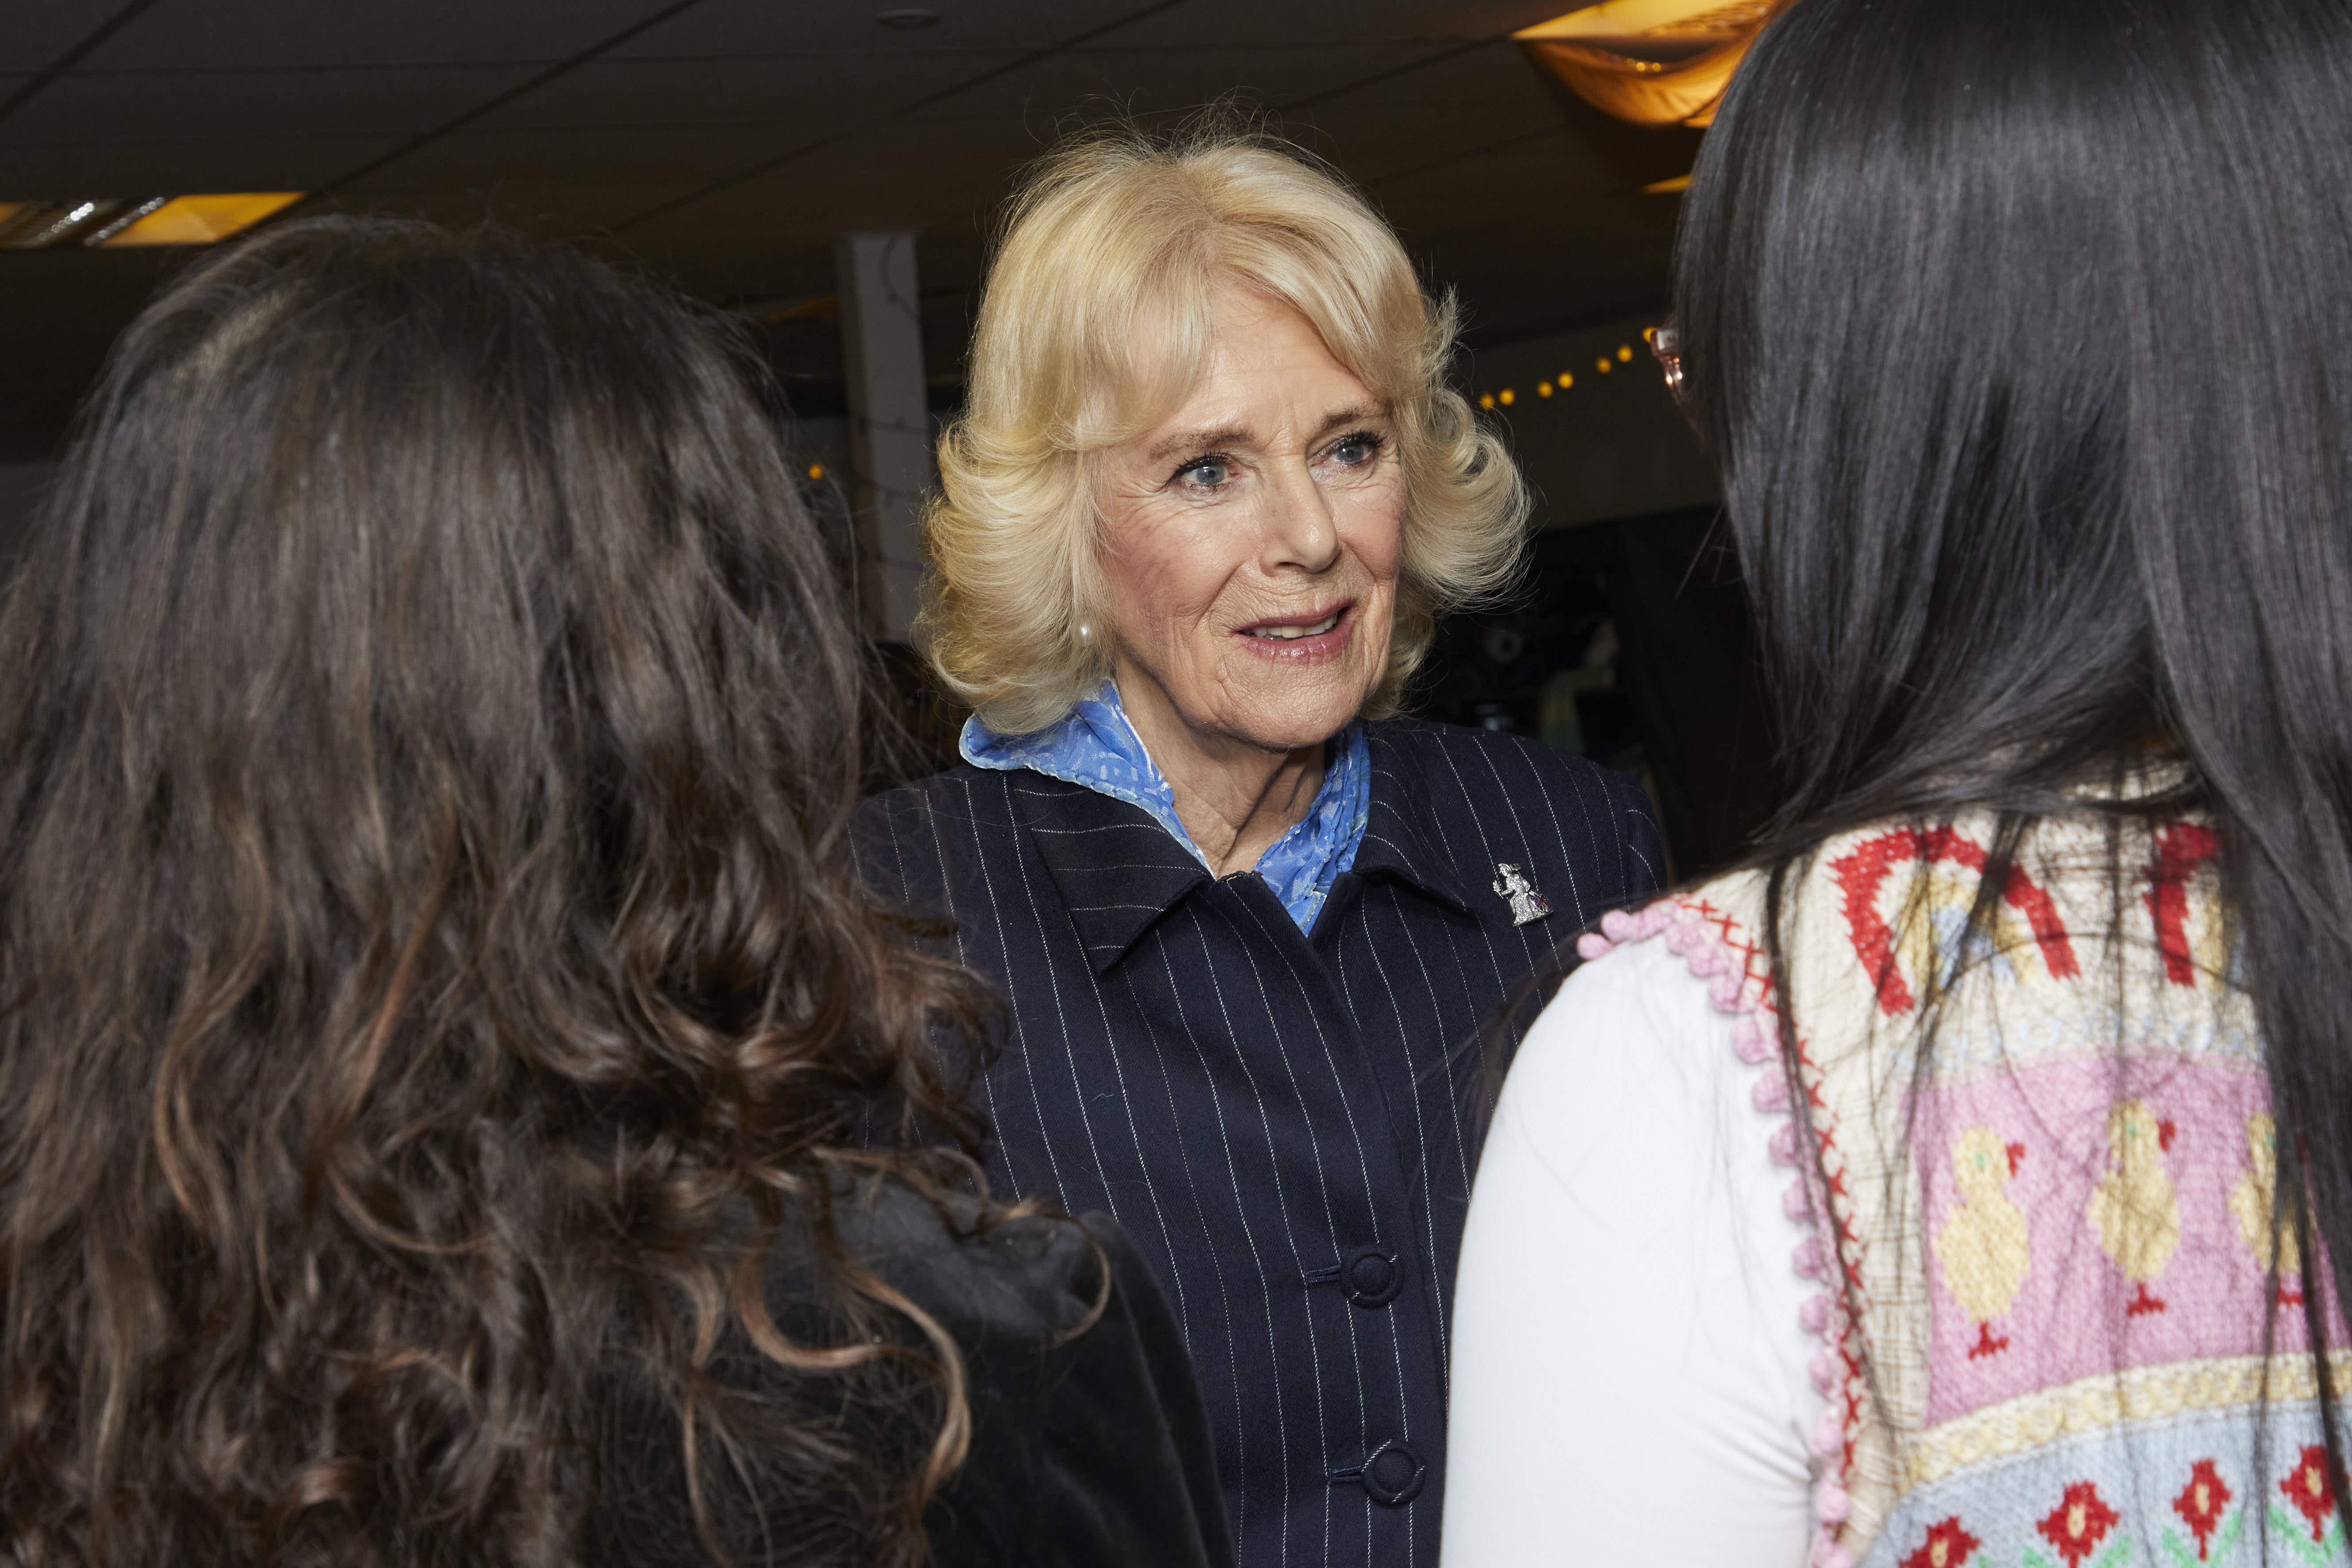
<point>437,1005</point>
<point>1969,1182</point>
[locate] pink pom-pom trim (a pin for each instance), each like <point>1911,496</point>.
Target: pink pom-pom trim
<point>1828,1432</point>
<point>1756,1041</point>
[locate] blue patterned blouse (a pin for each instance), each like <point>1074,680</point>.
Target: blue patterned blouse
<point>1094,745</point>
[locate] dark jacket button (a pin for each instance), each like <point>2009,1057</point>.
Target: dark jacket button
<point>1395,1474</point>
<point>1372,1276</point>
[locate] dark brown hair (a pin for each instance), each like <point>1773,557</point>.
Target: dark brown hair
<point>432,967</point>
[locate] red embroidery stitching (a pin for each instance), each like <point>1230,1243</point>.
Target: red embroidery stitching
<point>1946,1546</point>
<point>1860,874</point>
<point>2309,1490</point>
<point>2202,1502</point>
<point>2079,1522</point>
<point>2180,848</point>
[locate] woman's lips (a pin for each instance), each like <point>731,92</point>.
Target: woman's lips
<point>1315,639</point>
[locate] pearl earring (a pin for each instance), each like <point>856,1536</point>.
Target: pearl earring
<point>1086,632</point>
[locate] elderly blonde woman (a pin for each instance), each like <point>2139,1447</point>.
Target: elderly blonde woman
<point>1208,495</point>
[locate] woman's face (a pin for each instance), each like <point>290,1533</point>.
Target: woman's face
<point>1251,539</point>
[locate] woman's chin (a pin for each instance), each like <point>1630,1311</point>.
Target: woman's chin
<point>1282,710</point>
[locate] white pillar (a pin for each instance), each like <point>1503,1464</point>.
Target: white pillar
<point>890,425</point>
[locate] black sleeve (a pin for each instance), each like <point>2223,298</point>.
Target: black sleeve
<point>1092,1448</point>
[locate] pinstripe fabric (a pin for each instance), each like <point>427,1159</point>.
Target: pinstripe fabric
<point>1281,1122</point>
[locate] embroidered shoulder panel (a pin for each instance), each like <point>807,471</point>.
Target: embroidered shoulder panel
<point>2038,1149</point>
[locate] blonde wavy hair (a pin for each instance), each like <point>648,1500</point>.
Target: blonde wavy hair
<point>1094,325</point>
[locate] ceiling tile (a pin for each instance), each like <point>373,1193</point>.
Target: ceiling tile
<point>1248,23</point>
<point>845,86</point>
<point>1542,184</point>
<point>37,35</point>
<point>135,106</point>
<point>1446,107</point>
<point>1176,77</point>
<point>184,163</point>
<point>674,158</point>
<point>734,28</point>
<point>260,33</point>
<point>905,175</point>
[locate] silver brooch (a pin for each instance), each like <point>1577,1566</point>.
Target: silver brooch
<point>1527,904</point>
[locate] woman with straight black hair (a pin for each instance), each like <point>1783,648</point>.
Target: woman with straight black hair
<point>2021,335</point>
<point>437,1006</point>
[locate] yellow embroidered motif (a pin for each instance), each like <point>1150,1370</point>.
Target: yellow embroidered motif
<point>2134,1208</point>
<point>1982,1245</point>
<point>2252,1198</point>
<point>1934,916</point>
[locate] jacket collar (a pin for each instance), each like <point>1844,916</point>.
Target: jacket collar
<point>1117,869</point>
<point>1118,872</point>
<point>1395,844</point>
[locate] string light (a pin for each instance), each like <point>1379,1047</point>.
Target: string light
<point>1603,366</point>
<point>817,470</point>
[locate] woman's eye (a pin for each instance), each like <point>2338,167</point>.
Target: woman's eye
<point>1207,472</point>
<point>1355,451</point>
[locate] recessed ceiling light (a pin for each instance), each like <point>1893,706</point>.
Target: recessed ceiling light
<point>908,16</point>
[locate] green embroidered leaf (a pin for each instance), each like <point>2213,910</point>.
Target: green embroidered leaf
<point>2176,1548</point>
<point>2034,1559</point>
<point>2227,1541</point>
<point>2118,1553</point>
<point>2291,1530</point>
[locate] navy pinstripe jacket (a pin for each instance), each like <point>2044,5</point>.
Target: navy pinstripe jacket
<point>1282,1124</point>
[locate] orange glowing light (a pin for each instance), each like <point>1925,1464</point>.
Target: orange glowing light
<point>202,220</point>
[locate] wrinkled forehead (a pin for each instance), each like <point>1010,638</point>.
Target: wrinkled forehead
<point>1146,359</point>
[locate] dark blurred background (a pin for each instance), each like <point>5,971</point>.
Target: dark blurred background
<point>828,173</point>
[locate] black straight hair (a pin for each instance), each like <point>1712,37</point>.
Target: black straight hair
<point>2019,332</point>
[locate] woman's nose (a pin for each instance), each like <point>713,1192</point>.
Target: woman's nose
<point>1298,530</point>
